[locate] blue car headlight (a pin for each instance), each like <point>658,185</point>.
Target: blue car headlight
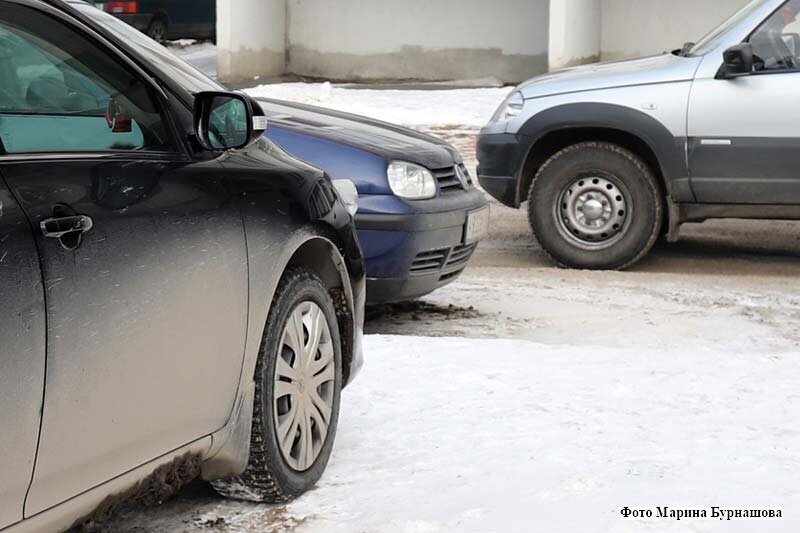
<point>411,181</point>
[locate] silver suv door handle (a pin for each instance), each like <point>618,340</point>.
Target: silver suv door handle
<point>55,228</point>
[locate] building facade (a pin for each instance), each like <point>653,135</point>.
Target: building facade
<point>582,31</point>
<point>503,40</point>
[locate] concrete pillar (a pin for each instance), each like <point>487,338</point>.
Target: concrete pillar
<point>574,32</point>
<point>251,39</point>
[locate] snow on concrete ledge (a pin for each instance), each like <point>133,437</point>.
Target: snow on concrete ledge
<point>413,108</point>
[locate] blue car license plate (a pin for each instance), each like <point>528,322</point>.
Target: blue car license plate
<point>477,225</point>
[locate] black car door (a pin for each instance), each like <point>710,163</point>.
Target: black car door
<point>143,257</point>
<point>22,355</point>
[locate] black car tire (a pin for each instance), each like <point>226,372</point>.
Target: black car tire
<point>627,177</point>
<point>268,477</point>
<point>158,30</point>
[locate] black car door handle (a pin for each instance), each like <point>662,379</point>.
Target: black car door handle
<point>56,228</point>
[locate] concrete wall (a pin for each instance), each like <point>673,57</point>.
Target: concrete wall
<point>574,32</point>
<point>510,40</point>
<point>251,39</point>
<point>631,28</point>
<point>418,39</point>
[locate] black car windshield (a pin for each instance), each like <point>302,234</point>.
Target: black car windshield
<point>192,79</point>
<point>707,43</point>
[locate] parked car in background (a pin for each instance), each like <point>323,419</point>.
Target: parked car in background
<point>167,19</point>
<point>419,216</point>
<point>610,155</point>
<point>180,295</point>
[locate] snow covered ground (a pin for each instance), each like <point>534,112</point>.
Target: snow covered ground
<point>509,435</point>
<point>466,108</point>
<point>528,398</point>
<point>458,434</point>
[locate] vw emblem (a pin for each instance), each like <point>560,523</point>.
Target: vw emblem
<point>463,176</point>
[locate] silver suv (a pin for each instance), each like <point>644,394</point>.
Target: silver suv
<point>611,155</point>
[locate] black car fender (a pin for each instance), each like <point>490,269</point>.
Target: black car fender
<point>292,217</point>
<point>307,247</point>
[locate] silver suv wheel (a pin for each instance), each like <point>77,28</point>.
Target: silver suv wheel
<point>595,205</point>
<point>593,211</point>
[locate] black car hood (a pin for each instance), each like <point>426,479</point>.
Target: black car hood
<point>381,138</point>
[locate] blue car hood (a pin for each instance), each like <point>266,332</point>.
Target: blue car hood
<point>387,140</point>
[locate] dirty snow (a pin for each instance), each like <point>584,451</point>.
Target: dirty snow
<point>456,434</point>
<point>508,435</point>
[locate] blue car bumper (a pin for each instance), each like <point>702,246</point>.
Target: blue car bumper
<point>412,253</point>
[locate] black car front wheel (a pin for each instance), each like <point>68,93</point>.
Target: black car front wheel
<point>595,205</point>
<point>298,389</point>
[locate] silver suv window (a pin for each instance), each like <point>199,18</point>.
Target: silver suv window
<point>776,43</point>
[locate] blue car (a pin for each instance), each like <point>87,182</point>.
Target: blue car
<point>419,216</point>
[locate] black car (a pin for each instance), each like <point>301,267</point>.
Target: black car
<point>179,294</point>
<point>167,19</point>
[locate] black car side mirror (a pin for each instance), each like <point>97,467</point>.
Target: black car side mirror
<point>737,61</point>
<point>227,121</point>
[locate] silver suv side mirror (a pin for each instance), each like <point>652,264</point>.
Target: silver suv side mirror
<point>737,61</point>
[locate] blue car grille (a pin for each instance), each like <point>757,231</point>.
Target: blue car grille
<point>428,262</point>
<point>448,179</point>
<point>460,255</point>
<point>450,261</point>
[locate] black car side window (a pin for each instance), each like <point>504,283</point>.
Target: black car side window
<point>62,92</point>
